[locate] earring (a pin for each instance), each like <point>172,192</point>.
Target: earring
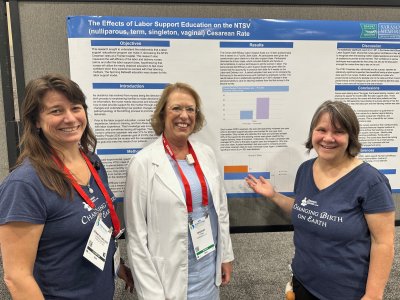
<point>38,130</point>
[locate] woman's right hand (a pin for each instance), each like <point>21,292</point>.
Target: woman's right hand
<point>264,187</point>
<point>19,244</point>
<point>260,186</point>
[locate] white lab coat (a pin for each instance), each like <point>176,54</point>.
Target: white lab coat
<point>157,224</point>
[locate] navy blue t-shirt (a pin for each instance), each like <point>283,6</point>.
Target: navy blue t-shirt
<point>331,235</point>
<point>60,269</point>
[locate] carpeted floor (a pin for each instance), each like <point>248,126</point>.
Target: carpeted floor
<point>261,269</point>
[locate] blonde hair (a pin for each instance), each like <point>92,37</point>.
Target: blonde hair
<point>158,117</point>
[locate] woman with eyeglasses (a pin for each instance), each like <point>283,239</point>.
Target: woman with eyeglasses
<point>176,211</point>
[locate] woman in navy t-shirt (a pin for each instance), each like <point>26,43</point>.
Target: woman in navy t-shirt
<point>342,213</point>
<point>58,195</point>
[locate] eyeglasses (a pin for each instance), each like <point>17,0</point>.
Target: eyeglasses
<point>177,109</point>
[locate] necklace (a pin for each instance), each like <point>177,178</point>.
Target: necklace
<point>89,188</point>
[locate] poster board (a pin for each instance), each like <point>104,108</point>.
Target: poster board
<point>260,80</point>
<point>48,51</point>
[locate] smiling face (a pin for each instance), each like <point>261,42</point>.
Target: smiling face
<point>179,117</point>
<point>329,141</point>
<point>61,121</point>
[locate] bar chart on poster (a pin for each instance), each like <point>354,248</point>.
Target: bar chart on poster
<point>256,164</point>
<point>257,109</point>
<point>256,104</point>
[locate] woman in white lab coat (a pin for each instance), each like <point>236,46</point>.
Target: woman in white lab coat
<point>175,207</point>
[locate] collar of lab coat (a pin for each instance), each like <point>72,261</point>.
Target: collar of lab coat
<point>165,172</point>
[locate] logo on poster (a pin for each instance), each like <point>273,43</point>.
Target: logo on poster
<point>369,31</point>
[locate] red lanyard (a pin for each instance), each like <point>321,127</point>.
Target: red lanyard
<point>199,172</point>
<point>81,192</point>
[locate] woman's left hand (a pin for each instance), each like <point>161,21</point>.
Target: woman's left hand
<point>125,274</point>
<point>226,272</point>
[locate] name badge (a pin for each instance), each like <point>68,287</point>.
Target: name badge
<point>97,246</point>
<point>200,230</point>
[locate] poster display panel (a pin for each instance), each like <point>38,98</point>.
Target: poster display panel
<point>260,81</point>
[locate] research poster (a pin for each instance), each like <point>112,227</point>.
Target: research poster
<point>260,82</point>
